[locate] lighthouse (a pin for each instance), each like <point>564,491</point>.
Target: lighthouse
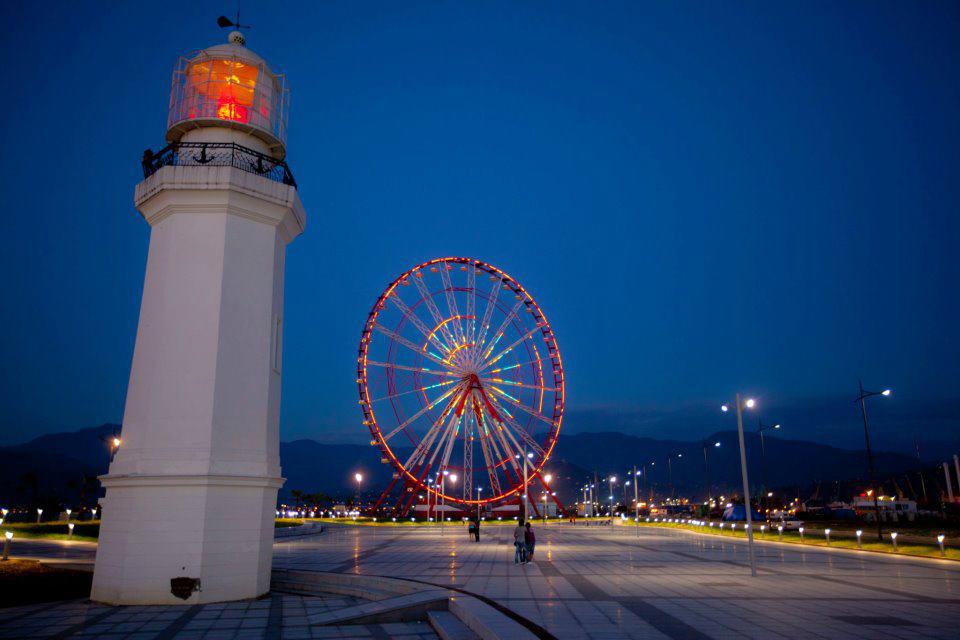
<point>191,492</point>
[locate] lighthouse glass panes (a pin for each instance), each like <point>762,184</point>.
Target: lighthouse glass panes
<point>229,89</point>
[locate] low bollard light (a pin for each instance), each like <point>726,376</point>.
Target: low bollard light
<point>940,542</point>
<point>826,532</point>
<point>39,513</point>
<point>859,534</point>
<point>69,529</point>
<point>893,538</point>
<point>763,530</point>
<point>69,511</point>
<point>780,533</point>
<point>7,537</point>
<point>801,534</point>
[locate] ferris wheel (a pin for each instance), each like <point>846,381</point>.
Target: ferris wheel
<point>460,382</point>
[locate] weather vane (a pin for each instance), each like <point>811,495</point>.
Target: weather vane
<point>225,22</point>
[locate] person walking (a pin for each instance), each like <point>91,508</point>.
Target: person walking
<point>520,544</point>
<point>529,541</point>
<point>476,530</point>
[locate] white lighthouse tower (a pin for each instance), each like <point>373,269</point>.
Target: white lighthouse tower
<point>190,495</point>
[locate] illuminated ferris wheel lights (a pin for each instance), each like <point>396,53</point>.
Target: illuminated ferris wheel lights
<point>444,435</point>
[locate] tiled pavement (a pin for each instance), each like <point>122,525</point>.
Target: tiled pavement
<point>586,582</point>
<point>608,582</point>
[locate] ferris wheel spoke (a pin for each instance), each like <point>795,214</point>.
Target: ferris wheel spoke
<point>468,430</point>
<point>504,352</point>
<point>503,325</point>
<point>472,302</point>
<point>450,436</point>
<point>510,383</point>
<point>508,452</point>
<point>418,323</point>
<point>528,440</point>
<point>485,440</point>
<point>487,315</point>
<point>417,390</point>
<point>452,303</point>
<point>423,447</point>
<point>432,308</point>
<point>423,370</point>
<point>403,425</point>
<point>519,405</point>
<point>515,365</point>
<point>409,345</point>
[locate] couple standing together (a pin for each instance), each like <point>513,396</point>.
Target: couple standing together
<point>525,541</point>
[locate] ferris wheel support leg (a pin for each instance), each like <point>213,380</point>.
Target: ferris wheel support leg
<point>411,488</point>
<point>383,496</point>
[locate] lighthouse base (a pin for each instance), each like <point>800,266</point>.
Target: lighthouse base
<point>185,539</point>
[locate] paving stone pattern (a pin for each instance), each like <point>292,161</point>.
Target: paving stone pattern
<point>586,582</point>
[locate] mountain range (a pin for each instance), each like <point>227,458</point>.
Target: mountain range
<point>54,465</point>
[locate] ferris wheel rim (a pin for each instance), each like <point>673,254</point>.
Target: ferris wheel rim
<point>553,356</point>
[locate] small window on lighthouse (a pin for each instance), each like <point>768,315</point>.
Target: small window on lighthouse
<point>277,346</point>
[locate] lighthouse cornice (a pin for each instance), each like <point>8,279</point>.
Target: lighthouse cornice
<point>220,190</point>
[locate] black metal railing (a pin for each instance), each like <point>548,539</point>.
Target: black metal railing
<point>217,154</point>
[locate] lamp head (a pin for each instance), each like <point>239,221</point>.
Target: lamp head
<point>750,403</point>
<point>886,392</point>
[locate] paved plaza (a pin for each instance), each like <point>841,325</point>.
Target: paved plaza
<point>586,582</point>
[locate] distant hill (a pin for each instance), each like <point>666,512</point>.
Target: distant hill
<point>59,461</point>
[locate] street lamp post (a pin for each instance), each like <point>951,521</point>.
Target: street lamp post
<point>673,493</point>
<point>359,478</point>
<point>763,458</point>
<point>749,403</point>
<point>706,473</point>
<point>612,479</point>
<point>479,489</point>
<point>443,498</point>
<point>636,501</point>
<point>862,398</point>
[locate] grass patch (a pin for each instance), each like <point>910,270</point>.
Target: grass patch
<point>818,539</point>
<point>282,523</point>
<point>85,531</point>
<point>29,582</point>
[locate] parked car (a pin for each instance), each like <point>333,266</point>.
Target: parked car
<point>788,523</point>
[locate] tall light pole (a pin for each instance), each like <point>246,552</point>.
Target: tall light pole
<point>547,479</point>
<point>670,472</point>
<point>862,399</point>
<point>479,489</point>
<point>612,479</point>
<point>763,459</point>
<point>706,474</point>
<point>359,478</point>
<point>636,501</point>
<point>749,403</point>
<point>443,498</point>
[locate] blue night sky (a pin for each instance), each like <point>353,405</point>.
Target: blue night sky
<point>703,197</point>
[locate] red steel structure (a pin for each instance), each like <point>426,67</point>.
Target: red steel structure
<point>457,356</point>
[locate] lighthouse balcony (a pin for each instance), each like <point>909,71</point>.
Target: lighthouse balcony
<point>217,154</point>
